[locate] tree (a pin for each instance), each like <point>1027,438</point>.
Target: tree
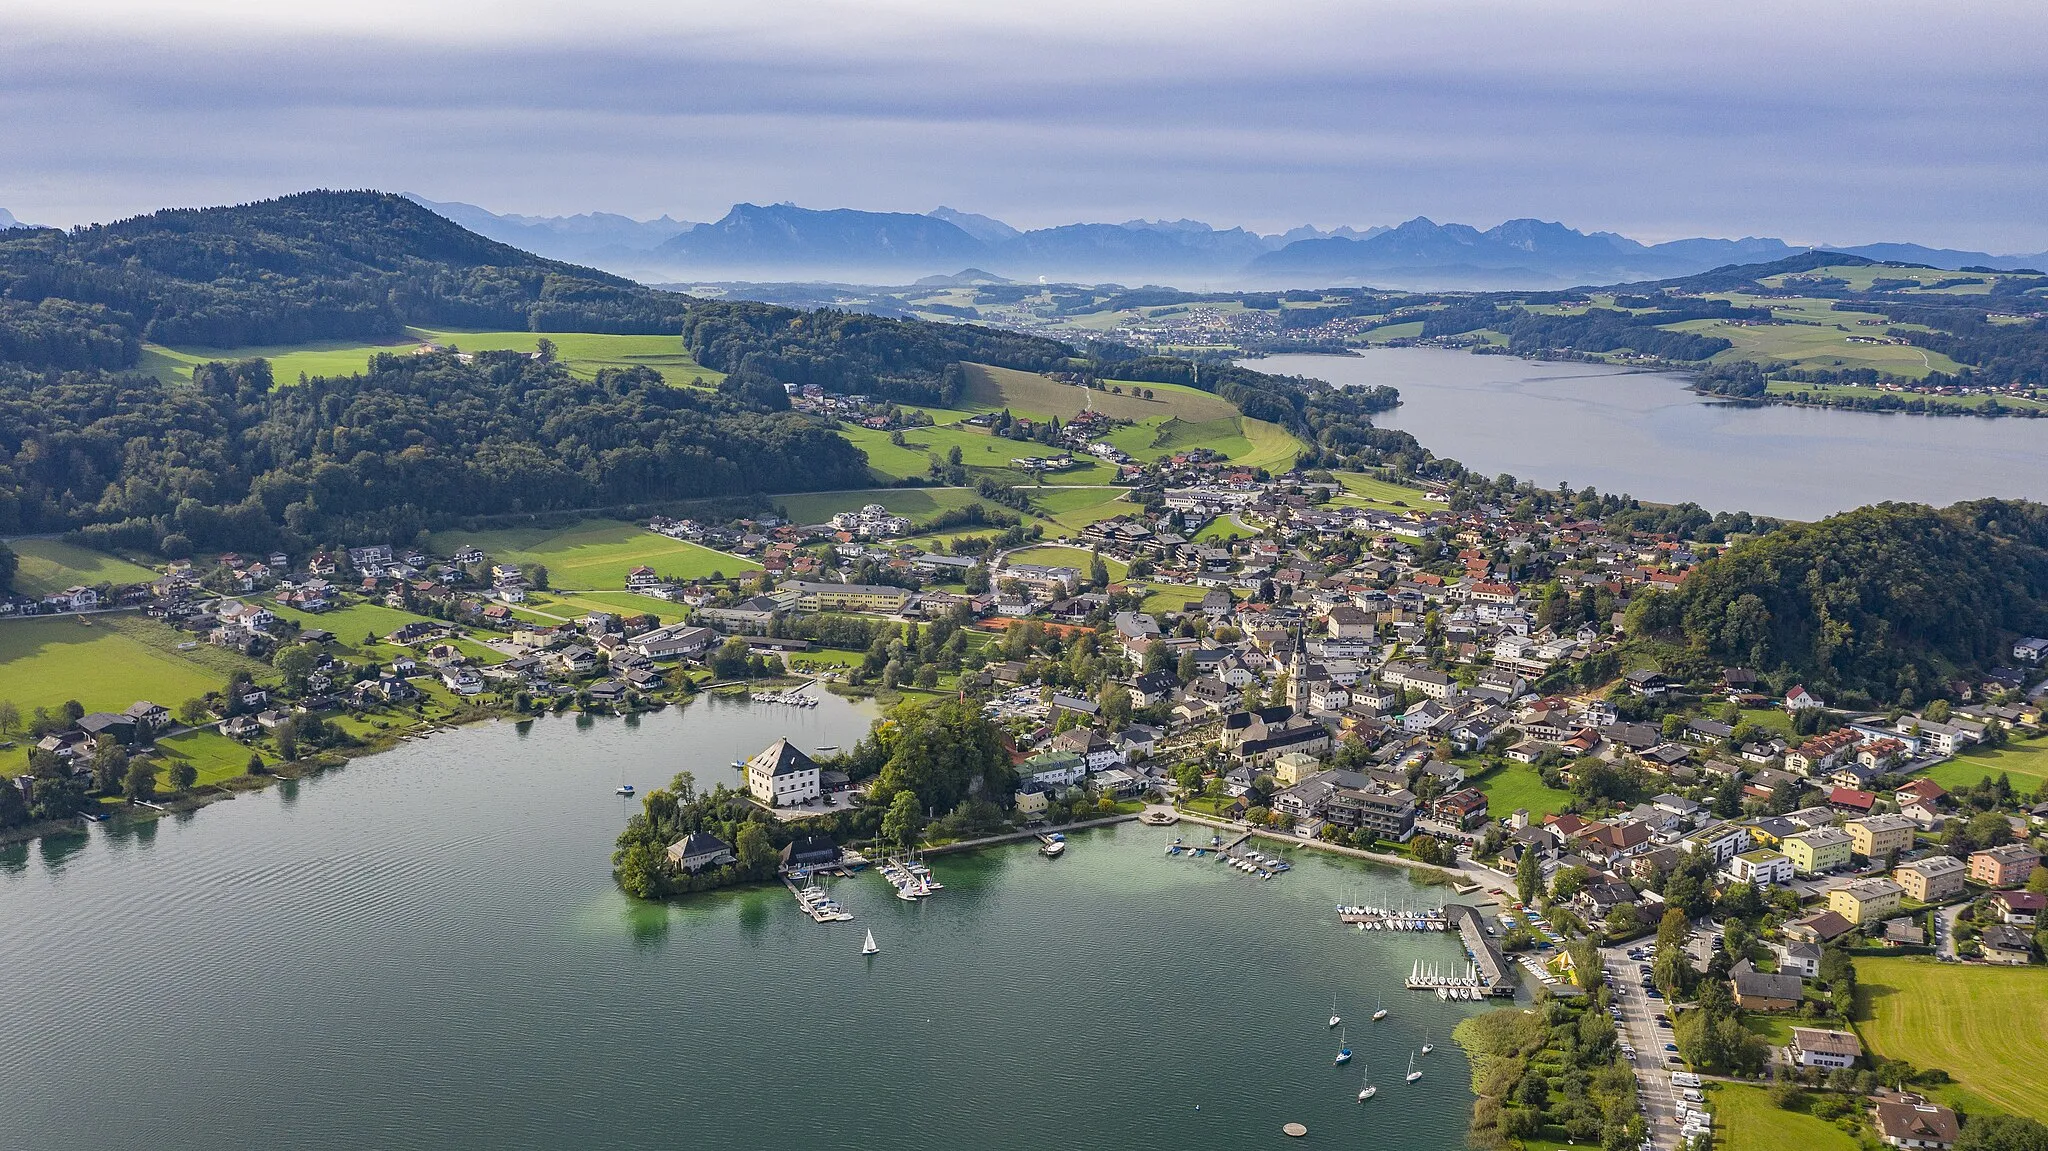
<point>192,712</point>
<point>1186,669</point>
<point>755,850</point>
<point>1098,572</point>
<point>295,664</point>
<point>109,766</point>
<point>1622,921</point>
<point>904,819</point>
<point>139,782</point>
<point>183,774</point>
<point>10,716</point>
<point>287,736</point>
<point>1528,876</point>
<point>1994,1132</point>
<point>13,809</point>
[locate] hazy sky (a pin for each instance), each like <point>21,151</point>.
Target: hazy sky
<point>1814,121</point>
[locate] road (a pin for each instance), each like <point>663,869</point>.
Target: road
<point>1639,1028</point>
<point>1945,930</point>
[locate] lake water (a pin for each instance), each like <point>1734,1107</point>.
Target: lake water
<point>1644,434</point>
<point>424,950</point>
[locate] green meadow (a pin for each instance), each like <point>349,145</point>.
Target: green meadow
<point>595,554</point>
<point>52,565</point>
<point>585,353</point>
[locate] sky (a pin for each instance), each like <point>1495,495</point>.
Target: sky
<point>1814,121</point>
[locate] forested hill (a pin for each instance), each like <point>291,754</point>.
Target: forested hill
<point>1880,605</point>
<point>317,265</point>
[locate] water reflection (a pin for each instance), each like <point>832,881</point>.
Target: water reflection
<point>56,849</point>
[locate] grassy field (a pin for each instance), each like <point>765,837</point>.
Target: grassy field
<point>1079,558</point>
<point>1746,1120</point>
<point>981,453</point>
<point>2026,763</point>
<point>595,554</point>
<point>1515,785</point>
<point>1032,395</point>
<point>105,663</point>
<point>1986,1026</point>
<point>576,605</point>
<point>214,756</point>
<point>1825,391</point>
<point>917,503</point>
<point>53,565</point>
<point>584,352</point>
<point>1366,491</point>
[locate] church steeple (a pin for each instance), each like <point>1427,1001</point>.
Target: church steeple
<point>1297,676</point>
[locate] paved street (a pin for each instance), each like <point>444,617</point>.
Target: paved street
<point>1639,1028</point>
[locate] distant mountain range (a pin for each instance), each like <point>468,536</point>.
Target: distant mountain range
<point>782,242</point>
<point>7,221</point>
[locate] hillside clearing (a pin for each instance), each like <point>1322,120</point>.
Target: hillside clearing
<point>595,554</point>
<point>53,565</point>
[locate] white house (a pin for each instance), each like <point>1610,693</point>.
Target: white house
<point>783,776</point>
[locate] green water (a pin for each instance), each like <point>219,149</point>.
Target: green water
<point>424,950</point>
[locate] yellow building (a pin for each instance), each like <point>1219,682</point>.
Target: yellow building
<point>1294,767</point>
<point>847,596</point>
<point>1866,900</point>
<point>1817,852</point>
<point>1932,879</point>
<point>1879,836</point>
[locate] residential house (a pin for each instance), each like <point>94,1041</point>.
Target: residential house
<point>1818,851</point>
<point>1760,868</point>
<point>1880,836</point>
<point>1830,1050</point>
<point>1912,1123</point>
<point>1763,991</point>
<point>2006,866</point>
<point>2005,944</point>
<point>1931,880</point>
<point>2019,908</point>
<point>697,851</point>
<point>1797,957</point>
<point>1866,900</point>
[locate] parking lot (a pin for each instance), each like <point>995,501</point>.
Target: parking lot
<point>1639,1029</point>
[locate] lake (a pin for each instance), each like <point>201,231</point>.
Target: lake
<point>424,949</point>
<point>1644,434</point>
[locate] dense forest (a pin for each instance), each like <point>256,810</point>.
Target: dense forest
<point>233,462</point>
<point>1595,329</point>
<point>313,266</point>
<point>1880,605</point>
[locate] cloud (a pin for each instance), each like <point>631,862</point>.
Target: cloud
<point>1816,122</point>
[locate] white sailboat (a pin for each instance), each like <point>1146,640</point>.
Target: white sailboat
<point>1413,1074</point>
<point>1335,1018</point>
<point>1343,1050</point>
<point>1379,1012</point>
<point>1367,1090</point>
<point>869,947</point>
<point>1427,1047</point>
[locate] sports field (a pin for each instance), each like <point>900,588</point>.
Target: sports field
<point>595,554</point>
<point>1986,1026</point>
<point>1746,1120</point>
<point>584,353</point>
<point>52,565</point>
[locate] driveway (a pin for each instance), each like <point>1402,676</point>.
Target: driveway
<point>1639,1027</point>
<point>1945,930</point>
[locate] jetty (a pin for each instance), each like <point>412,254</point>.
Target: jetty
<point>911,878</point>
<point>1487,961</point>
<point>1371,918</point>
<point>822,908</point>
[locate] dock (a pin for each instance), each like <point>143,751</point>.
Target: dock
<point>1390,919</point>
<point>821,907</point>
<point>1487,960</point>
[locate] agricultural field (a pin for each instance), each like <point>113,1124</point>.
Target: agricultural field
<point>980,453</point>
<point>1080,558</point>
<point>105,662</point>
<point>1986,1026</point>
<point>1792,387</point>
<point>1517,785</point>
<point>52,565</point>
<point>553,607</point>
<point>1746,1120</point>
<point>595,554</point>
<point>2026,762</point>
<point>916,503</point>
<point>585,353</point>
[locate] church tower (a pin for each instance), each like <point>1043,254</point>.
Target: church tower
<point>1297,676</point>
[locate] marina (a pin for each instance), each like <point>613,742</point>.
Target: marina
<point>1385,919</point>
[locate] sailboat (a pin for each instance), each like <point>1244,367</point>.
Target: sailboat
<point>869,947</point>
<point>1343,1050</point>
<point>1427,1046</point>
<point>1379,1012</point>
<point>625,789</point>
<point>1335,1018</point>
<point>1413,1074</point>
<point>1367,1091</point>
